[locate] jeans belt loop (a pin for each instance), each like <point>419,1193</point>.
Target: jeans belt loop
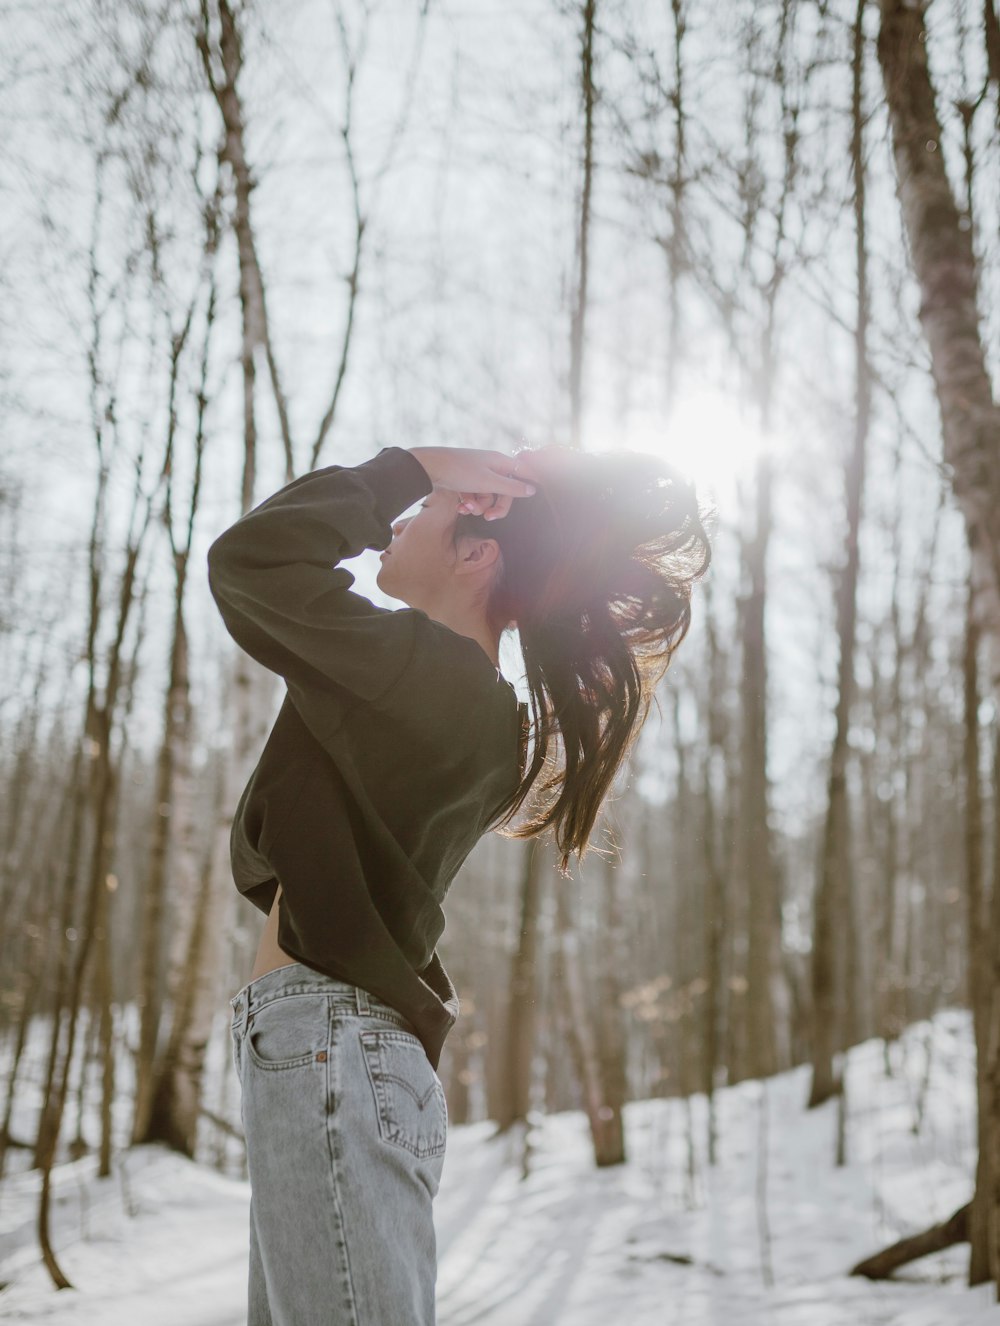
<point>362,1001</point>
<point>246,1016</point>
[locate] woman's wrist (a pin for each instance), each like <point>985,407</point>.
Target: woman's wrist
<point>479,476</point>
<point>424,456</point>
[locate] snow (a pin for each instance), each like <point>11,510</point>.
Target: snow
<point>664,1239</point>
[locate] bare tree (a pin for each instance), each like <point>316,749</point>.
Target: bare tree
<point>173,771</point>
<point>519,1033</point>
<point>219,39</point>
<point>715,882</point>
<point>101,767</point>
<point>194,960</point>
<point>753,853</point>
<point>594,1071</point>
<point>578,320</point>
<point>833,951</point>
<point>945,267</point>
<point>978,931</point>
<point>944,264</point>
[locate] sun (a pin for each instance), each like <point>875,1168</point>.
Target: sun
<point>709,438</point>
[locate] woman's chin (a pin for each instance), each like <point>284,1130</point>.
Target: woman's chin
<point>384,580</point>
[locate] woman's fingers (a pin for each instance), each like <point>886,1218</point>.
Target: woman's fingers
<point>492,506</point>
<point>489,505</point>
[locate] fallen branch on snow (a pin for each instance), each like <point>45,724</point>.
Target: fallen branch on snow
<point>953,1230</point>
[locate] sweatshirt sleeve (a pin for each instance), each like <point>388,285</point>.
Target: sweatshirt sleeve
<point>284,600</point>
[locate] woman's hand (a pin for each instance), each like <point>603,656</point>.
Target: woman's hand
<point>542,465</point>
<point>481,479</point>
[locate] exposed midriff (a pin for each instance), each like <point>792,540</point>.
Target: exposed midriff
<point>269,954</point>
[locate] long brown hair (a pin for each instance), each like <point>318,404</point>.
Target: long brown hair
<point>596,572</point>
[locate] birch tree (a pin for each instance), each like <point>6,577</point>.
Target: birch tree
<point>945,268</point>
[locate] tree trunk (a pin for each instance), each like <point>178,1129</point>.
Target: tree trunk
<point>944,264</point>
<point>609,1023</point>
<point>202,893</point>
<point>891,1010</point>
<point>605,1128</point>
<point>834,954</point>
<point>520,1030</point>
<point>676,244</point>
<point>977,929</point>
<point>176,725</point>
<point>756,879</point>
<point>945,268</point>
<point>103,991</point>
<point>578,321</point>
<point>758,1056</point>
<point>991,1068</point>
<point>176,1103</point>
<point>223,65</point>
<point>51,1118</point>
<point>714,879</point>
<point>100,724</point>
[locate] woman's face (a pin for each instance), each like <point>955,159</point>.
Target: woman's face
<point>415,566</point>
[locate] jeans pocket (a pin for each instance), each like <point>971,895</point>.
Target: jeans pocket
<point>409,1098</point>
<point>288,1032</point>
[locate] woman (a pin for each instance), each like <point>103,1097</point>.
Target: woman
<point>398,745</point>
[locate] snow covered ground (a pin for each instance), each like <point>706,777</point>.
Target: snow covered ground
<point>661,1241</point>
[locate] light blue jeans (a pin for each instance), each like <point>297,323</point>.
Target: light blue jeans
<point>345,1124</point>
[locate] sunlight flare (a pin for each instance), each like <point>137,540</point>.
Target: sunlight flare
<point>709,438</point>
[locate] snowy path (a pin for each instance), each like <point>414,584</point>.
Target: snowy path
<point>164,1242</point>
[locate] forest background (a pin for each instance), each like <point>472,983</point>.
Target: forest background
<point>245,240</point>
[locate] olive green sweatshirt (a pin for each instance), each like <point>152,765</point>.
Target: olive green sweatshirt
<point>396,743</point>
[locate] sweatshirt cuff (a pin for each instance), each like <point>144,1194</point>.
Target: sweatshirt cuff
<point>396,479</point>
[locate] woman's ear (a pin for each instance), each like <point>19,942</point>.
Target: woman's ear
<point>478,553</point>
